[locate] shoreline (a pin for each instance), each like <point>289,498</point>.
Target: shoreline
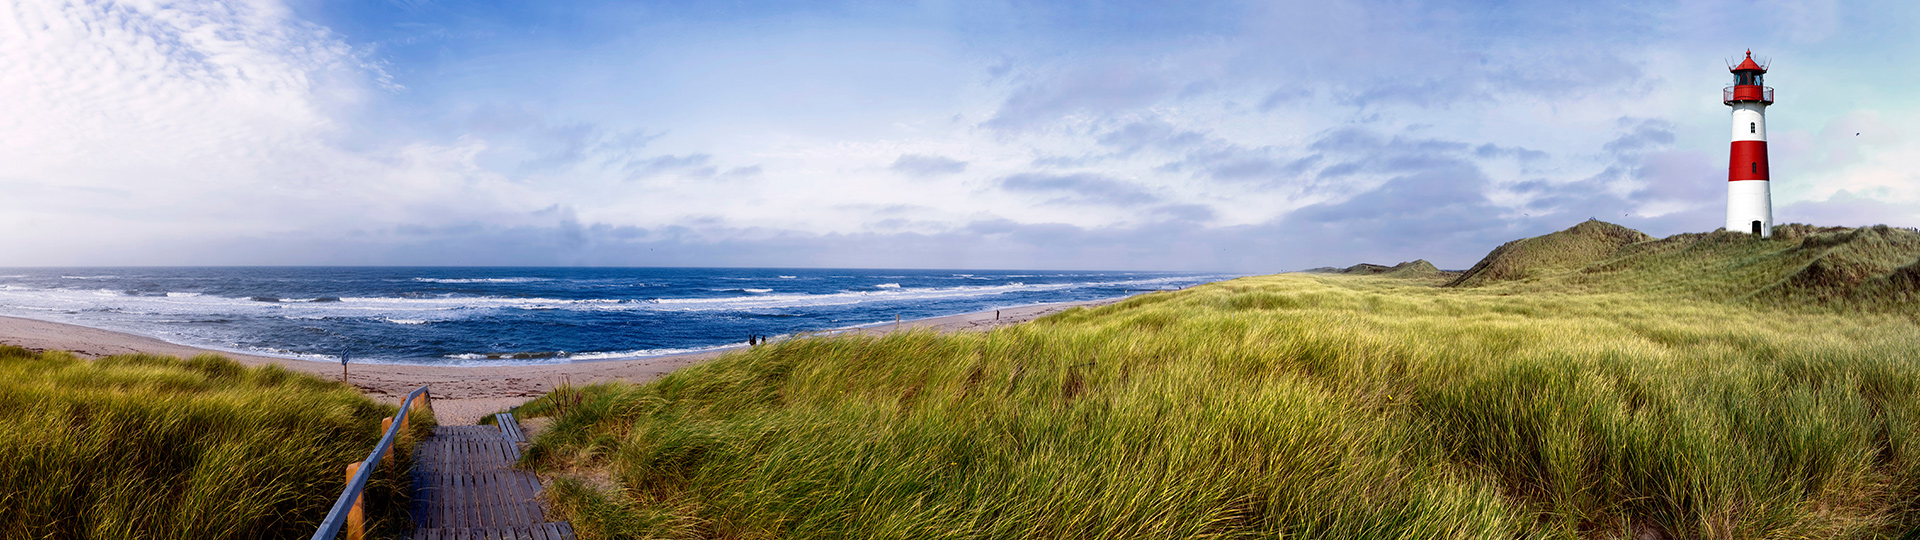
<point>464,394</point>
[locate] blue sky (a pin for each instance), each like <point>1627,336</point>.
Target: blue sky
<point>1251,137</point>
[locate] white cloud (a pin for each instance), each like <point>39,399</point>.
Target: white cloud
<point>136,124</point>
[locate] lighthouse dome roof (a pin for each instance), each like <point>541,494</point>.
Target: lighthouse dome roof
<point>1748,65</point>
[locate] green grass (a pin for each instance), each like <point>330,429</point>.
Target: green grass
<point>1800,267</point>
<point>1561,404</point>
<point>156,447</point>
<point>1275,406</point>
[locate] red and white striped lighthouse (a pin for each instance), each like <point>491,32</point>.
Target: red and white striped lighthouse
<point>1749,199</point>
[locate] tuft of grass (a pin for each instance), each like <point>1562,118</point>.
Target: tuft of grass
<point>144,446</point>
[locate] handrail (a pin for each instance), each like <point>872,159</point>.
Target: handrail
<point>337,517</point>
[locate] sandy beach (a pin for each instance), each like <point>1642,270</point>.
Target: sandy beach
<point>463,394</point>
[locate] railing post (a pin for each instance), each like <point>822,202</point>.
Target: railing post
<point>386,424</point>
<point>357,516</point>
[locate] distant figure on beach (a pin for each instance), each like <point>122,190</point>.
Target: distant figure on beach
<point>753,340</point>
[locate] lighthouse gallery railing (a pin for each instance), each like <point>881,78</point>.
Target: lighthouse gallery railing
<point>1730,94</point>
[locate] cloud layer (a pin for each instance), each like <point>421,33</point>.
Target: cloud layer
<point>1219,136</point>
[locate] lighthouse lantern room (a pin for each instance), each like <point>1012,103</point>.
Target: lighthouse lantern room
<point>1749,198</point>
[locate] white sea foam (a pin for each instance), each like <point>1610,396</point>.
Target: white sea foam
<point>788,277</point>
<point>561,357</point>
<point>642,353</point>
<point>405,321</point>
<point>887,286</point>
<point>758,291</point>
<point>482,280</point>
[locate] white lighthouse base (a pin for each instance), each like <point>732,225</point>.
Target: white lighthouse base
<point>1749,201</point>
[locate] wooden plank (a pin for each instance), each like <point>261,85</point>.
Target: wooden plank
<point>530,488</point>
<point>483,501</point>
<point>497,515</point>
<point>471,500</point>
<point>443,500</point>
<point>530,492</point>
<point>538,507</point>
<point>511,507</point>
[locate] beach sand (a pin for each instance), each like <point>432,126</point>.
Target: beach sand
<point>462,395</point>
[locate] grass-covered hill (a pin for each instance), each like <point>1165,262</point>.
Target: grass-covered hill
<point>1588,395</point>
<point>156,447</point>
<point>1414,269</point>
<point>1532,258</point>
<point>1800,266</point>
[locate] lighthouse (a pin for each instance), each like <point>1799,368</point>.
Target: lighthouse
<point>1749,199</point>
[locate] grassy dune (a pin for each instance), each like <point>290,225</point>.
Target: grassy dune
<point>157,447</point>
<point>1574,399</point>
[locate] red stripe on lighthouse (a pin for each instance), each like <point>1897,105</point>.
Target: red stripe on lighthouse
<point>1749,161</point>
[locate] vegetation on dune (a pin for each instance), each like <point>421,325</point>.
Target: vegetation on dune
<point>1566,404</point>
<point>145,446</point>
<point>1800,267</point>
<point>1414,269</point>
<point>1584,244</point>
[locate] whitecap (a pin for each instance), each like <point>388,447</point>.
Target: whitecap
<point>481,280</point>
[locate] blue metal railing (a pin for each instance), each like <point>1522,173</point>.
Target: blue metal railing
<point>337,518</point>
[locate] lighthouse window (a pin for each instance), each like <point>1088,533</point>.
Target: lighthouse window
<point>1753,127</point>
<point>1756,167</point>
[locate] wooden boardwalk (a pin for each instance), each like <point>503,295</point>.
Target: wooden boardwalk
<point>465,487</point>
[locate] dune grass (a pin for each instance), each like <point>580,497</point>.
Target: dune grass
<point>1296,405</point>
<point>156,447</point>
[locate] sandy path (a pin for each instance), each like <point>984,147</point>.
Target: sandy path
<point>462,395</point>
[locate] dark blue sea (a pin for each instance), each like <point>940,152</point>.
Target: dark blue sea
<point>490,316</point>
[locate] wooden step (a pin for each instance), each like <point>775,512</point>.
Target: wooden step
<point>465,487</point>
<point>543,531</point>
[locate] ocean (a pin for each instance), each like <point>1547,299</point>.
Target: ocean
<point>496,316</point>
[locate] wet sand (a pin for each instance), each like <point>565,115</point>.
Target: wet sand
<point>464,394</point>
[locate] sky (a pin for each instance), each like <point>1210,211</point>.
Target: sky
<point>1113,135</point>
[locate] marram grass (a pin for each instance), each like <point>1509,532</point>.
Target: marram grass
<point>1290,406</point>
<point>155,447</point>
